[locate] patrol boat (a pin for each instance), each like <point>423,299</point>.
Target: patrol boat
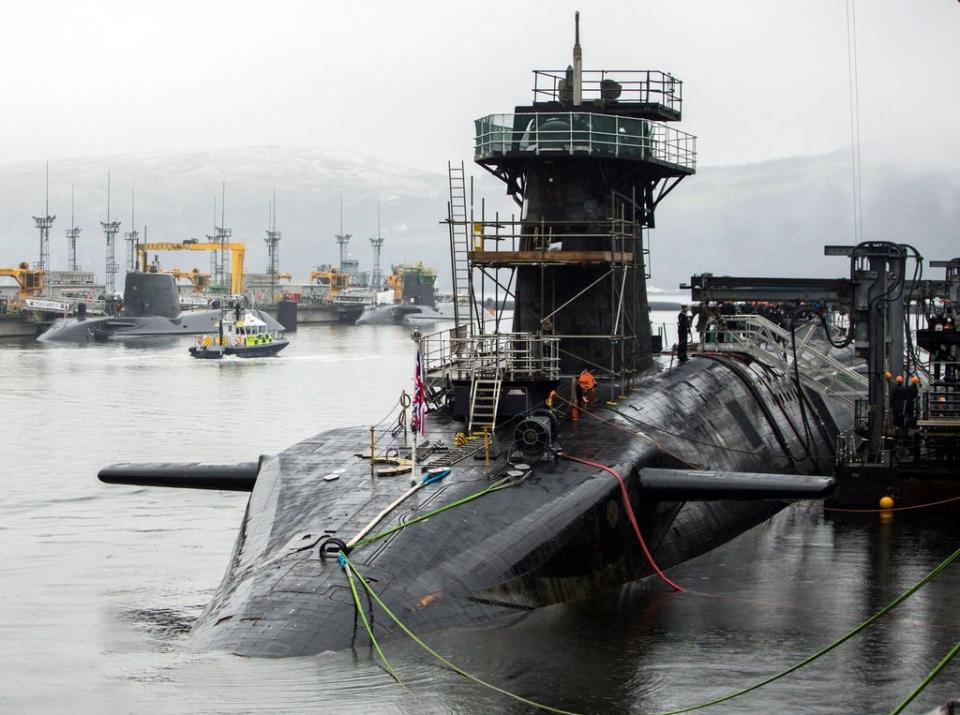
<point>241,333</point>
<point>538,508</point>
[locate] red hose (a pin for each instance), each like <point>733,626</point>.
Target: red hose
<point>630,515</point>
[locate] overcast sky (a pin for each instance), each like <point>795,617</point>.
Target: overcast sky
<point>403,80</point>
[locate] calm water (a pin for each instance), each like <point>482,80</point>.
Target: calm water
<point>99,584</point>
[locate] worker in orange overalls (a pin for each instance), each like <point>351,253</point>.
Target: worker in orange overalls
<point>586,388</point>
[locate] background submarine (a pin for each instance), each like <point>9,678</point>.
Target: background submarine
<point>151,308</point>
<point>705,450</point>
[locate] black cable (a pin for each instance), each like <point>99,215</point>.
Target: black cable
<point>826,330</point>
<point>799,385</point>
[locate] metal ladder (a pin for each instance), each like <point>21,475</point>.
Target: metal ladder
<point>484,399</point>
<point>459,244</point>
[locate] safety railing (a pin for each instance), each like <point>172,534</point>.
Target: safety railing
<point>768,342</point>
<point>517,356</point>
<point>650,87</point>
<point>584,133</point>
<point>941,399</point>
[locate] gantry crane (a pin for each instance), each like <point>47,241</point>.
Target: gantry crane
<point>237,251</point>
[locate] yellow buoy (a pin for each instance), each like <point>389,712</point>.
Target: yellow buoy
<point>886,502</point>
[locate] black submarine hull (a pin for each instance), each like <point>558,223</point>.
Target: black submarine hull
<point>559,535</point>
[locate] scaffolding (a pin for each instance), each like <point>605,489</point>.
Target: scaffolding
<point>588,162</point>
<point>496,248</point>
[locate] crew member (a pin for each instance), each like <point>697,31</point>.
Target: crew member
<point>910,409</point>
<point>898,404</point>
<point>586,392</point>
<point>683,333</point>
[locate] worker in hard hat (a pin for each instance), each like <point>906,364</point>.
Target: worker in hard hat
<point>683,333</point>
<point>898,404</point>
<point>586,388</point>
<point>910,409</point>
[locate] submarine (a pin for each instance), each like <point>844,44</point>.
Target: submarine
<point>543,463</point>
<point>151,308</point>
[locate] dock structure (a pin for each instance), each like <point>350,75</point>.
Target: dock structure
<point>896,445</point>
<point>589,160</point>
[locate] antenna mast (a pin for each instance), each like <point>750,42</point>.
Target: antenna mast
<point>577,62</point>
<point>73,233</point>
<point>342,238</point>
<point>376,276</point>
<point>110,229</point>
<point>44,223</point>
<point>220,235</point>
<point>133,236</point>
<point>273,249</point>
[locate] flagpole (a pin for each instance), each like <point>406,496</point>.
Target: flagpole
<point>419,408</point>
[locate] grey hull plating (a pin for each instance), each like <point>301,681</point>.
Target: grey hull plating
<point>559,536</point>
<point>198,322</point>
<point>402,315</point>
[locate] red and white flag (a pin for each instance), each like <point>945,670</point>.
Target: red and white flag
<point>419,399</point>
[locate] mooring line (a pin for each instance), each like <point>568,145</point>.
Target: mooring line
<point>366,624</point>
<point>891,509</point>
<point>927,680</point>
<point>349,567</point>
<point>826,649</point>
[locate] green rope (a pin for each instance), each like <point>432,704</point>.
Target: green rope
<point>823,651</point>
<point>926,681</point>
<point>366,624</point>
<point>495,487</point>
<point>350,567</point>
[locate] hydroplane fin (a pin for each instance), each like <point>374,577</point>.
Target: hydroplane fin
<point>238,477</point>
<point>711,485</point>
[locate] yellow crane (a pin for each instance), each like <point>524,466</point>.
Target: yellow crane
<point>200,281</point>
<point>335,281</point>
<point>29,280</point>
<point>237,251</point>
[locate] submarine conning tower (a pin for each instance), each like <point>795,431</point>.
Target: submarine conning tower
<point>588,162</point>
<point>151,294</point>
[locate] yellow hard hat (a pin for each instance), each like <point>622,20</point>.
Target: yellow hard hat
<point>887,374</point>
